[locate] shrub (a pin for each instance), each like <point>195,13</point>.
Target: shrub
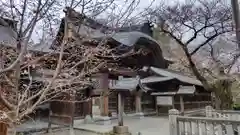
<point>236,106</point>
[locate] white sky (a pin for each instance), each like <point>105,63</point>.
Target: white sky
<point>143,4</point>
<point>140,8</point>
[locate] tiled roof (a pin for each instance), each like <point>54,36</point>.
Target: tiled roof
<point>125,84</point>
<point>7,36</point>
<point>175,75</point>
<point>152,79</point>
<point>183,90</point>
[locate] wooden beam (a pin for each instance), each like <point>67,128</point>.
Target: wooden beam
<point>173,103</point>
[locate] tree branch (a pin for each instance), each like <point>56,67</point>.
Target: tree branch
<point>191,63</point>
<point>207,41</point>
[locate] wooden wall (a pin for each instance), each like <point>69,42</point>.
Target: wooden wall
<point>191,102</point>
<point>148,102</point>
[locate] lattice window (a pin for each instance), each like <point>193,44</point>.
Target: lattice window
<point>96,83</point>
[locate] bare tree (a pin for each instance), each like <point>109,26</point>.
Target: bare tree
<point>28,13</point>
<point>71,64</point>
<point>193,25</point>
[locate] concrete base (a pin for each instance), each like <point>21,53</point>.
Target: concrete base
<point>103,120</point>
<point>139,115</point>
<point>88,120</point>
<point>96,110</point>
<point>121,130</point>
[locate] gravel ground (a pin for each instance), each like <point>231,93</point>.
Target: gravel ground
<point>65,132</point>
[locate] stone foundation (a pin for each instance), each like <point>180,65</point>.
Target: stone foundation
<point>102,120</point>
<point>139,115</point>
<point>136,115</point>
<point>88,120</point>
<point>121,130</point>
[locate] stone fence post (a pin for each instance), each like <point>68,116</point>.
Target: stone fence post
<point>173,127</point>
<point>209,111</point>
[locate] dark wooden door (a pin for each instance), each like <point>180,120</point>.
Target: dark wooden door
<point>129,102</point>
<point>113,102</point>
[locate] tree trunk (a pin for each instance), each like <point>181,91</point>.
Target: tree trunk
<point>221,88</point>
<point>223,94</point>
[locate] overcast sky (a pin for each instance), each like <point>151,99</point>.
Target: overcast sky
<point>143,4</point>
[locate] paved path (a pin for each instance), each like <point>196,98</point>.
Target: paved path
<point>34,125</point>
<point>149,126</point>
<point>146,125</point>
<point>66,132</point>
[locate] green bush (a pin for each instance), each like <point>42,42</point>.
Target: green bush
<point>236,106</point>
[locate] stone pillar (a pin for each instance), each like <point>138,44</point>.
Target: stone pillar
<point>96,106</point>
<point>209,111</point>
<point>120,109</point>
<point>88,118</point>
<point>173,127</point>
<point>209,114</point>
<point>121,130</point>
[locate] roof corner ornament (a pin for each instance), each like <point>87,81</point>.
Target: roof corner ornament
<point>145,68</point>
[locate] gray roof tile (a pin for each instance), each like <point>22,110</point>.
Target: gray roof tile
<point>152,79</point>
<point>7,36</point>
<point>186,90</point>
<point>125,84</point>
<point>180,77</point>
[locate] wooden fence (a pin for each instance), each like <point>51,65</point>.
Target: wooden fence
<point>215,122</point>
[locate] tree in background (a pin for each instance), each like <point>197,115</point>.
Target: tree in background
<point>194,24</point>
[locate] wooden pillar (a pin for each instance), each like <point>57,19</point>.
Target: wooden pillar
<point>73,110</point>
<point>212,99</point>
<point>105,111</point>
<point>3,128</point>
<point>120,109</point>
<point>123,99</point>
<point>138,101</point>
<point>104,96</point>
<point>173,102</point>
<point>88,107</point>
<point>90,102</point>
<point>182,104</point>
